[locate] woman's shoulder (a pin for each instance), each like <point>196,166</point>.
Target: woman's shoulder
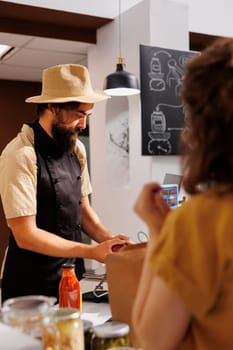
<point>208,213</point>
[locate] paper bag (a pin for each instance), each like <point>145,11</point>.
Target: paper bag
<point>123,273</point>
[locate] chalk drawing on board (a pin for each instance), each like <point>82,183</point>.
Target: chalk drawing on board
<point>117,142</point>
<point>160,143</point>
<point>157,82</point>
<point>161,72</point>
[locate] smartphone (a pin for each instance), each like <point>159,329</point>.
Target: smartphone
<point>170,194</point>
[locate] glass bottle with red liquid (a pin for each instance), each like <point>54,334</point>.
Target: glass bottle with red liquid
<point>69,288</point>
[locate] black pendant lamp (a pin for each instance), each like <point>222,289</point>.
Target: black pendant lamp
<point>121,82</point>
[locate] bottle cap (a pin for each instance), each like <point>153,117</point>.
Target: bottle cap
<point>68,265</point>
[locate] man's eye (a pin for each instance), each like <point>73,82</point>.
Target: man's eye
<point>77,115</point>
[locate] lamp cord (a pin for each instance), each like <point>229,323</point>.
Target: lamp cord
<point>119,28</point>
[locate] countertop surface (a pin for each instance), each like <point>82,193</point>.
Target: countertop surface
<point>12,339</point>
<point>97,313</point>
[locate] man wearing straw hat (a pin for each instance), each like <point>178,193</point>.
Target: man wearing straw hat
<point>44,185</point>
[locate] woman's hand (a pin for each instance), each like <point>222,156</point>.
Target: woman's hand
<point>151,207</point>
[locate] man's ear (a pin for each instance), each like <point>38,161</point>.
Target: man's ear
<point>52,108</point>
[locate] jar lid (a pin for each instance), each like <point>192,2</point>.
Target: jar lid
<point>65,314</point>
<point>111,329</point>
<point>87,325</point>
<point>26,307</point>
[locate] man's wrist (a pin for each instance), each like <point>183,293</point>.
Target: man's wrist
<point>85,251</point>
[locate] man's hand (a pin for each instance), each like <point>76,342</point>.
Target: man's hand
<point>101,250</point>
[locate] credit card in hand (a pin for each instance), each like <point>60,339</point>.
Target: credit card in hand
<point>170,194</point>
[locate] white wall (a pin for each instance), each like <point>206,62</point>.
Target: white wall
<point>205,16</point>
<point>211,17</point>
<point>102,8</point>
<point>140,25</point>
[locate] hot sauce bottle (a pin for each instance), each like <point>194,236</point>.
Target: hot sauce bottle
<point>69,288</point>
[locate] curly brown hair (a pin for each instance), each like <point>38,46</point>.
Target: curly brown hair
<point>207,94</point>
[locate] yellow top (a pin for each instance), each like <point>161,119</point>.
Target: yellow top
<point>194,256</point>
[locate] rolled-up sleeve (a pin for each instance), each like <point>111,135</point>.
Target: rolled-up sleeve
<point>18,178</point>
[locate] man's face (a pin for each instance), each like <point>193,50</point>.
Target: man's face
<point>68,122</point>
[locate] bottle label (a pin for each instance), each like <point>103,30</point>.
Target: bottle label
<point>70,299</point>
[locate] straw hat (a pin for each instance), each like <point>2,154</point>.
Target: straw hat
<point>67,83</point>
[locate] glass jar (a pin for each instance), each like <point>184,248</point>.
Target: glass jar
<point>110,335</point>
<point>126,348</point>
<point>27,312</point>
<point>63,329</point>
<point>69,288</point>
<point>87,326</point>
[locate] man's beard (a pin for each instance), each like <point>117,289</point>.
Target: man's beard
<point>64,138</point>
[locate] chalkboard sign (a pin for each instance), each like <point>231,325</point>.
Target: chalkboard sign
<point>161,73</point>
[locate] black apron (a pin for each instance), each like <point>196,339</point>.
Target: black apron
<point>58,211</point>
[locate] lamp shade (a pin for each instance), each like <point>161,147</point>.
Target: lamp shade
<point>121,83</point>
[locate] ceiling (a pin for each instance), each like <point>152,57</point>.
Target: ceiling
<point>42,38</point>
<point>32,54</point>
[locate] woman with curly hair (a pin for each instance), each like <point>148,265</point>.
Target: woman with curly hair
<point>185,296</point>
